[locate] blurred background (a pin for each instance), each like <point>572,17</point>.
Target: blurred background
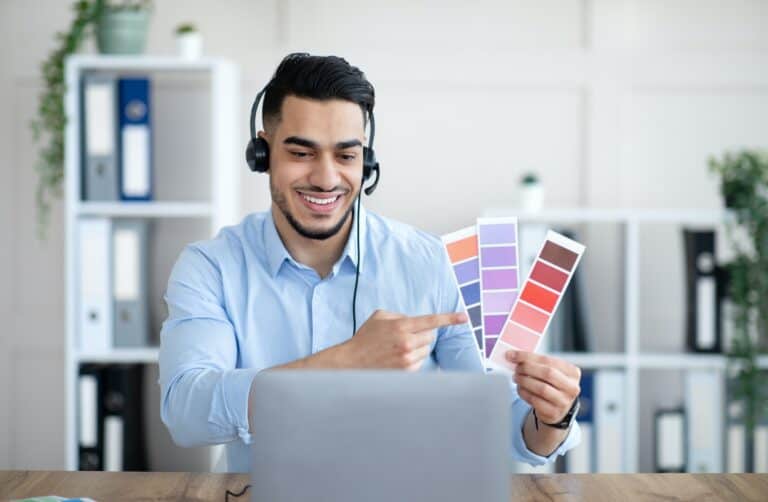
<point>595,117</point>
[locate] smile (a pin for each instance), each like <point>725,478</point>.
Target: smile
<point>315,200</point>
<point>320,204</point>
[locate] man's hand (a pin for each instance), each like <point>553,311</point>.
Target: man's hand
<point>548,384</point>
<point>390,340</point>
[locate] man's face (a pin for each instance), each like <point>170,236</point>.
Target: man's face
<point>316,163</point>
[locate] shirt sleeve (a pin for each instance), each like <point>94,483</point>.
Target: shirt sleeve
<point>204,397</point>
<point>456,349</point>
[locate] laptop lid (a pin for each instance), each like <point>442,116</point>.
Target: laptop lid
<point>380,436</point>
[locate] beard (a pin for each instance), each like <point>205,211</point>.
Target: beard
<point>282,203</point>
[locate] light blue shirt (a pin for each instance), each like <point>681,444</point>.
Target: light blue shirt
<point>239,303</point>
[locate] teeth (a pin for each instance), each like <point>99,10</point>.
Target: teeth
<point>321,202</point>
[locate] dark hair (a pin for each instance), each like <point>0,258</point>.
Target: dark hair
<point>316,77</point>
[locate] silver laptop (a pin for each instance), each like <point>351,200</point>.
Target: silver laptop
<point>380,436</point>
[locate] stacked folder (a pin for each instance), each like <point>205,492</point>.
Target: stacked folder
<point>113,290</point>
<point>112,269</point>
<point>111,418</point>
<point>116,138</point>
<point>707,433</point>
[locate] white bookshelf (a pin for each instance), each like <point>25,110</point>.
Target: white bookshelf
<point>632,360</point>
<point>218,208</point>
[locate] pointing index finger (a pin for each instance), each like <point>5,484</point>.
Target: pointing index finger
<point>433,321</point>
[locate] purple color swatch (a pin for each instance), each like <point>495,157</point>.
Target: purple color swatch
<point>494,323</point>
<point>467,271</point>
<point>499,301</point>
<point>499,257</point>
<point>490,341</point>
<point>503,233</point>
<point>500,279</point>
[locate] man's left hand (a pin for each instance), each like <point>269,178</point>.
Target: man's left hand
<point>548,384</point>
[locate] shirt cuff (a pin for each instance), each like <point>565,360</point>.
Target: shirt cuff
<point>520,449</point>
<point>236,385</point>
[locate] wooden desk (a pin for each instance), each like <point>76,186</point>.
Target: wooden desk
<point>109,486</point>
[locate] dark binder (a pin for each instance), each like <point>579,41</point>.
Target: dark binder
<point>703,326</point>
<point>123,402</point>
<point>90,434</point>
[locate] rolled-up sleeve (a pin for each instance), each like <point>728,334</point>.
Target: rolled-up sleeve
<point>204,396</point>
<point>456,349</point>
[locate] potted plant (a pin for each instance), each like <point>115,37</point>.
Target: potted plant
<point>744,186</point>
<point>189,41</point>
<point>531,193</point>
<point>122,26</point>
<point>48,128</point>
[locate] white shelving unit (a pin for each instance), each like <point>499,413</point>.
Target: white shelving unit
<point>632,360</point>
<point>219,208</point>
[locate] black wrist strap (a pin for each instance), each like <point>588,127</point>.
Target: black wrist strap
<point>536,418</point>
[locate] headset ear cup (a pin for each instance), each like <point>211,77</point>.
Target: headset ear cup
<point>257,155</point>
<point>370,167</point>
<point>369,162</point>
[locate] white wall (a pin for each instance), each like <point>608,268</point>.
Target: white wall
<point>614,102</point>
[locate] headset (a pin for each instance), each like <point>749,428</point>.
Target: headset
<point>257,157</point>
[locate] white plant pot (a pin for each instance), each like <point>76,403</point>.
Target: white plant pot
<point>190,45</point>
<point>531,197</point>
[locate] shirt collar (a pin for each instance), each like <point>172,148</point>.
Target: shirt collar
<point>277,254</point>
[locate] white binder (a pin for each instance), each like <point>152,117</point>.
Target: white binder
<point>704,397</point>
<point>609,420</point>
<point>99,115</point>
<point>761,448</point>
<point>129,241</point>
<point>88,392</point>
<point>95,300</point>
<point>113,443</point>
<point>670,428</point>
<point>736,439</point>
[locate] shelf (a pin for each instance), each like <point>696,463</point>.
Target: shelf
<point>689,361</point>
<point>581,359</point>
<point>597,215</point>
<point>141,63</point>
<point>594,360</point>
<point>138,355</point>
<point>650,360</point>
<point>146,209</point>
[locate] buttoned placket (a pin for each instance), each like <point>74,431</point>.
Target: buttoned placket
<point>320,313</point>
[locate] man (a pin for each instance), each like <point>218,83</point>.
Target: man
<point>275,291</point>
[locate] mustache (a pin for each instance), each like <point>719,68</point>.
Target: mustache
<point>316,189</point>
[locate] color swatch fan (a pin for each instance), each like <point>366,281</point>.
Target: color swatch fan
<point>461,247</point>
<point>539,297</point>
<point>499,275</point>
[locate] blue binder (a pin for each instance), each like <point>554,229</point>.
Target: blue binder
<point>135,139</point>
